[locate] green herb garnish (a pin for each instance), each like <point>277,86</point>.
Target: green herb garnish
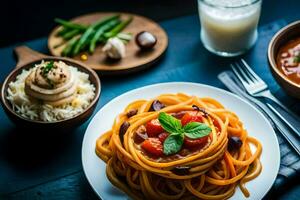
<point>297,59</point>
<point>48,67</point>
<point>174,141</point>
<point>173,144</point>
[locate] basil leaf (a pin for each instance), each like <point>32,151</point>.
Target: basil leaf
<point>297,59</point>
<point>173,144</point>
<point>196,130</point>
<point>170,124</point>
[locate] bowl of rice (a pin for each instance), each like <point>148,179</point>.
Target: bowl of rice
<point>49,92</point>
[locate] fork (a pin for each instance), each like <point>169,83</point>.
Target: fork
<point>256,87</point>
<point>275,121</point>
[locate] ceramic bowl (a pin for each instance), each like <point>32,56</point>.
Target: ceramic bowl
<point>27,58</point>
<point>283,36</point>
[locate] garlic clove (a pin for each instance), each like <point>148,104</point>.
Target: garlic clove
<point>114,48</point>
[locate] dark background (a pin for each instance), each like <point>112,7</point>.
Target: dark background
<point>29,19</point>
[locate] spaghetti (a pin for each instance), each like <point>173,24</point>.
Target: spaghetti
<point>207,167</point>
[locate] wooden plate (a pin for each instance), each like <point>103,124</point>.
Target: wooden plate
<point>135,58</point>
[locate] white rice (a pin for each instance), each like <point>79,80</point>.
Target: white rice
<point>36,110</point>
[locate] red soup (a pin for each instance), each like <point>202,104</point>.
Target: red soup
<point>288,60</point>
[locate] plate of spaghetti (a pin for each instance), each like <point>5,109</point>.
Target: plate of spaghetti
<point>180,141</point>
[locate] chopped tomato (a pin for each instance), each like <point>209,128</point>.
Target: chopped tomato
<point>191,117</point>
<point>153,146</point>
<point>163,136</point>
<point>192,143</point>
<point>217,125</point>
<point>154,128</point>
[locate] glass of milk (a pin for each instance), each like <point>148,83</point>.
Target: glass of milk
<point>229,27</point>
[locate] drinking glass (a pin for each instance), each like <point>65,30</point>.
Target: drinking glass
<point>229,27</point>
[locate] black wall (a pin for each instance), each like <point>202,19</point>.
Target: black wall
<point>29,19</point>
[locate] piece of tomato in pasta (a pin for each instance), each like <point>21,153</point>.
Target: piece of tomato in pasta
<point>191,117</point>
<point>195,143</point>
<point>154,128</point>
<point>153,146</point>
<point>163,136</point>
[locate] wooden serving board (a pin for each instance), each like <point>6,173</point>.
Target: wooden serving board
<point>134,60</point>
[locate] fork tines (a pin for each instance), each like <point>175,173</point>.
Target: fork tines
<point>251,81</point>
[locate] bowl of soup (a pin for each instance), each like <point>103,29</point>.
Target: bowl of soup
<point>284,58</point>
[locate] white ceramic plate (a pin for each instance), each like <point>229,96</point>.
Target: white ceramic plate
<point>256,124</point>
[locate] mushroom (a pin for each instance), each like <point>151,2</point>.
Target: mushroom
<point>145,40</point>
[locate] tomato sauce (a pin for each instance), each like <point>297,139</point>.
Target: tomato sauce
<point>288,60</point>
<point>186,150</point>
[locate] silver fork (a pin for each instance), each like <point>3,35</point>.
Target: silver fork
<point>256,87</point>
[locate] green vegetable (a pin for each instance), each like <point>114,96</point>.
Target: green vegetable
<point>125,37</point>
<point>85,36</point>
<point>71,34</point>
<point>297,59</point>
<point>169,123</point>
<point>173,144</point>
<point>118,28</point>
<point>69,47</point>
<point>70,25</point>
<point>100,32</point>
<point>48,67</point>
<point>63,31</point>
<point>196,130</point>
<point>174,141</point>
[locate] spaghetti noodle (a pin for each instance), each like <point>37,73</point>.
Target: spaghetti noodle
<point>209,167</point>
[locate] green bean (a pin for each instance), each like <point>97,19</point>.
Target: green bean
<point>70,45</point>
<point>118,28</point>
<point>70,25</point>
<point>125,37</point>
<point>71,34</point>
<point>101,30</point>
<point>85,36</point>
<point>63,31</point>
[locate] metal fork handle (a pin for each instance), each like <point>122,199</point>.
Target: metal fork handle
<point>267,94</point>
<point>294,120</point>
<point>285,132</point>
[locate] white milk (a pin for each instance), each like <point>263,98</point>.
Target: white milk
<point>228,31</point>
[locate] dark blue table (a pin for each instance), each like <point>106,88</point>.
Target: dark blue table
<point>51,169</point>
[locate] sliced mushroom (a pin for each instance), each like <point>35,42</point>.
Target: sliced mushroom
<point>179,115</point>
<point>234,143</point>
<point>131,113</point>
<point>205,114</point>
<point>157,105</point>
<point>123,129</point>
<point>140,135</point>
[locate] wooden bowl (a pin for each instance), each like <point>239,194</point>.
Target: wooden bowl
<point>27,58</point>
<point>283,36</point>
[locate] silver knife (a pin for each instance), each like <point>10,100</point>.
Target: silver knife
<point>225,78</point>
<point>290,119</point>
